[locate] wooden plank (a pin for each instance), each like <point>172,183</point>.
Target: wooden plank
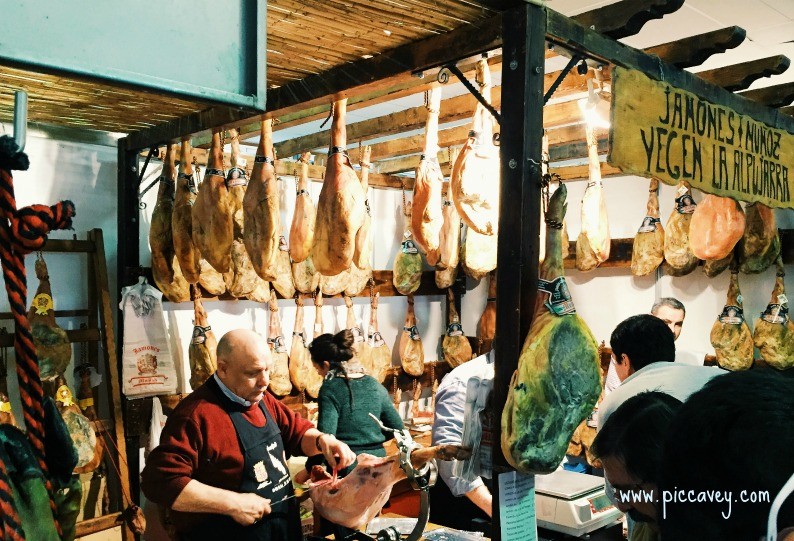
<point>694,50</point>
<point>126,461</point>
<point>741,76</point>
<point>582,172</point>
<point>626,18</point>
<point>58,313</point>
<point>66,245</point>
<point>787,110</point>
<point>74,335</point>
<point>98,524</point>
<point>772,96</point>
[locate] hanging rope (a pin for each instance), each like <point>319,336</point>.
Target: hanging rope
<point>21,232</point>
<point>10,524</point>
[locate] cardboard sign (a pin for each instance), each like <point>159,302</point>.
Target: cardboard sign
<point>672,134</point>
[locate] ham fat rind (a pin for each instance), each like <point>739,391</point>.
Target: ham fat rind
<point>341,208</point>
<point>760,244</point>
<point>242,281</point>
<point>558,379</point>
<point>427,218</point>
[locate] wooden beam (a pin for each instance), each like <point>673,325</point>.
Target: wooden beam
<point>741,76</point>
<point>772,96</point>
<point>694,50</point>
<point>788,110</point>
<point>626,18</point>
<point>582,172</point>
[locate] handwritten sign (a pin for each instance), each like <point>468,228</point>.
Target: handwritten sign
<point>517,507</point>
<point>672,134</point>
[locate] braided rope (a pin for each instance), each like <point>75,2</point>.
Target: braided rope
<point>10,524</point>
<point>21,232</point>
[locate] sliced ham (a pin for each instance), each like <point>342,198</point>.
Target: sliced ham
<point>412,354</point>
<point>486,327</point>
<point>774,330</point>
<point>558,379</point>
<point>717,225</point>
<point>357,498</point>
<point>280,383</point>
<point>53,347</point>
<point>187,255</point>
<point>202,349</point>
<point>407,268</point>
<point>455,347</point>
<point>242,278</point>
<point>730,335</point>
<point>593,243</point>
<point>165,268</point>
<point>261,219</point>
<point>341,209</point>
<point>363,352</point>
<point>427,218</point>
<point>678,256</point>
<point>313,378</point>
<point>760,245</point>
<point>475,174</point>
<point>213,213</point>
<point>380,354</point>
<point>300,362</point>
<point>301,232</point>
<point>648,250</point>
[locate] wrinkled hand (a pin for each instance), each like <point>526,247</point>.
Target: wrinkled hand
<point>336,453</point>
<point>250,508</point>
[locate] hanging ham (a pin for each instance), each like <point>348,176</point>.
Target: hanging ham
<point>213,214</point>
<point>305,277</point>
<point>730,335</point>
<point>282,268</point>
<point>478,254</point>
<point>261,292</point>
<point>412,354</point>
<point>678,256</point>
<point>449,236</point>
<point>279,371</point>
<point>446,277</point>
<point>53,348</point>
<point>427,218</point>
<point>261,219</point>
<point>455,347</point>
<point>760,245</point>
<point>486,327</point>
<point>361,269</point>
<point>242,278</point>
<point>202,349</point>
<point>301,233</point>
<point>380,354</point>
<point>593,243</point>
<point>558,380</point>
<point>182,220</point>
<point>714,267</point>
<point>357,498</point>
<point>165,268</point>
<point>210,279</point>
<point>85,400</point>
<point>475,174</point>
<point>774,330</point>
<point>407,269</point>
<point>81,431</point>
<point>334,285</point>
<point>341,209</point>
<point>313,378</point>
<point>300,362</point>
<point>363,353</point>
<point>648,250</point>
<point>717,225</point>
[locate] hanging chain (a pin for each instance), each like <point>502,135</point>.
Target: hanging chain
<point>405,201</point>
<point>3,355</point>
<point>224,136</point>
<point>371,283</point>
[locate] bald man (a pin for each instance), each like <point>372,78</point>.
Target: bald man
<point>221,463</point>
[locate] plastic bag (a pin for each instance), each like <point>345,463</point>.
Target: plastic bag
<point>475,436</point>
<point>156,425</point>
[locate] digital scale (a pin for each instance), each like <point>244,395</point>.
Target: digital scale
<point>573,503</point>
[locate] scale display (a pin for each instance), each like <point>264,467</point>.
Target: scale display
<point>599,503</point>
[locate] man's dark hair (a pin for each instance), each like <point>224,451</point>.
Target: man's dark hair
<point>634,433</point>
<point>671,302</point>
<point>736,434</point>
<point>645,339</point>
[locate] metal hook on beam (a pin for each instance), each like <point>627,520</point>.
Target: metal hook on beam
<point>443,78</point>
<point>20,118</point>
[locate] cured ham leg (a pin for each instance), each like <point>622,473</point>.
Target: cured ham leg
<point>279,372</point>
<point>380,353</point>
<point>341,209</point>
<point>449,236</point>
<point>243,279</point>
<point>407,270</point>
<point>592,246</point>
<point>475,174</point>
<point>201,351</point>
<point>717,225</point>
<point>558,379</point>
<point>454,346</point>
<point>478,254</point>
<point>427,218</point>
<point>730,335</point>
<point>165,269</point>
<point>313,378</point>
<point>361,269</point>
<point>213,214</point>
<point>648,251</point>
<point>412,354</point>
<point>53,348</point>
<point>486,327</point>
<point>261,219</point>
<point>301,232</point>
<point>283,271</point>
<point>81,431</point>
<point>305,277</point>
<point>357,498</point>
<point>774,330</point>
<point>678,256</point>
<point>187,255</point>
<point>210,279</point>
<point>360,346</point>
<point>300,363</point>
<point>760,245</point>
<point>85,399</point>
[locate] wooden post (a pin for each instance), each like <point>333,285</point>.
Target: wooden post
<point>523,50</point>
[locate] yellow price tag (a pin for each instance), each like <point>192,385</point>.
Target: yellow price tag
<point>43,303</point>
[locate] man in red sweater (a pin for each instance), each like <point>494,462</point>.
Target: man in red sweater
<point>221,463</point>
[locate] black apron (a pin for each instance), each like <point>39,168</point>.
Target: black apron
<point>264,473</point>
